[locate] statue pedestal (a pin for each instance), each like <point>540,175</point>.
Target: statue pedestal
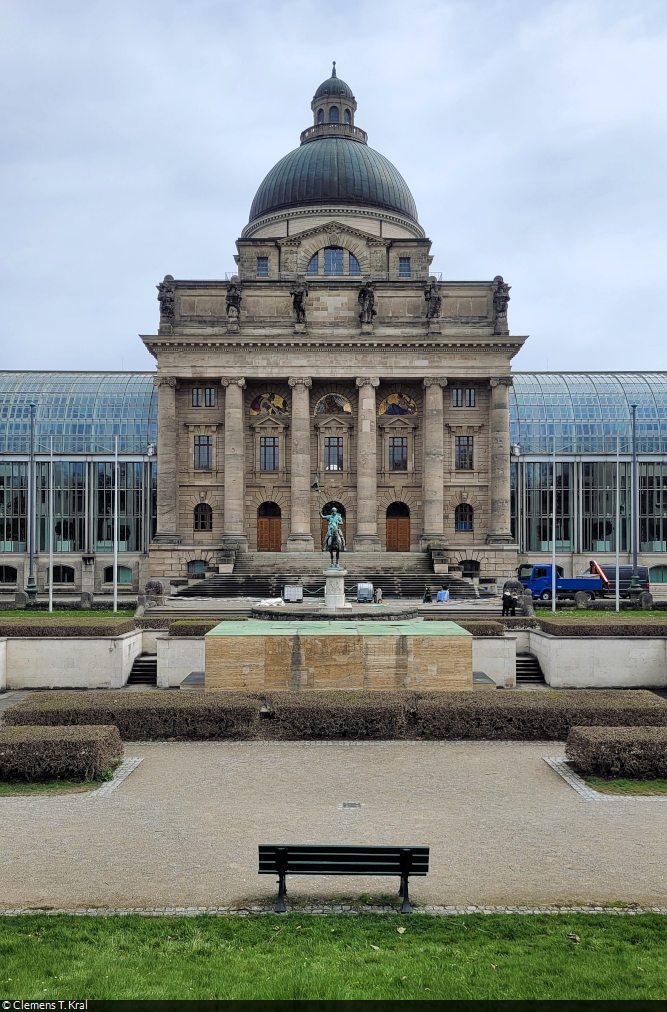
<point>300,328</point>
<point>334,590</point>
<point>366,328</point>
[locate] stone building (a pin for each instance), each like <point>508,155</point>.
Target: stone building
<point>333,368</point>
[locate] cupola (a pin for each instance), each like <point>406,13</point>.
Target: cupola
<point>333,102</point>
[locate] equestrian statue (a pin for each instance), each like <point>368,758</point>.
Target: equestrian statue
<point>334,540</point>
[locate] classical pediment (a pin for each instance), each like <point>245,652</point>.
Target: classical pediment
<point>396,422</point>
<point>333,229</point>
<point>333,422</point>
<point>268,422</point>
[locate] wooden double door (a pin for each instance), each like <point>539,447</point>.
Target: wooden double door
<point>269,534</point>
<point>398,534</point>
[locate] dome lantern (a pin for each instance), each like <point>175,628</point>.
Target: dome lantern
<point>333,102</point>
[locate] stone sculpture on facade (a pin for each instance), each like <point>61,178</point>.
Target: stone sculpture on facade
<point>165,297</point>
<point>233,302</point>
<point>501,297</point>
<point>367,302</point>
<point>433,302</point>
<point>299,293</point>
<point>334,541</point>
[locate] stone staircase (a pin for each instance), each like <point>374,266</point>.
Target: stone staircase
<point>144,670</point>
<point>528,670</point>
<point>264,574</point>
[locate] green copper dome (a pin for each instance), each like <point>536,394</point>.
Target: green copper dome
<point>334,170</point>
<point>334,86</point>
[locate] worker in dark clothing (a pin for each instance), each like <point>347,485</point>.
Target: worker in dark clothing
<point>507,601</point>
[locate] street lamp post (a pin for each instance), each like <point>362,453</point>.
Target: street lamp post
<point>634,589</point>
<point>31,586</point>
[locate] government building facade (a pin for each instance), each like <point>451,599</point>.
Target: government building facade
<point>333,368</point>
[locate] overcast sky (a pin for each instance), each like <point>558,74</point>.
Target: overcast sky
<point>135,133</point>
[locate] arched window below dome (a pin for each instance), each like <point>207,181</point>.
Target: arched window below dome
<point>313,264</point>
<point>348,117</point>
<point>333,260</point>
<point>334,115</point>
<point>320,115</point>
<point>354,265</point>
<point>203,517</point>
<point>463,517</point>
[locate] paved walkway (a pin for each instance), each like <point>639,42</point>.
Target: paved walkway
<point>183,829</point>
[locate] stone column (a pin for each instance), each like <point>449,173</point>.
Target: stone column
<point>499,473</point>
<point>366,539</point>
<point>433,465</point>
<point>300,539</point>
<point>167,465</point>
<point>234,535</point>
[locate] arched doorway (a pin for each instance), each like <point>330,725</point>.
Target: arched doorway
<point>269,528</point>
<point>398,528</point>
<point>326,510</point>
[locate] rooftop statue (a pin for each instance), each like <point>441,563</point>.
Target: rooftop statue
<point>299,293</point>
<point>367,302</point>
<point>501,297</point>
<point>433,302</point>
<point>233,301</point>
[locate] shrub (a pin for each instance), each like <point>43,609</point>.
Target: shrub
<point>65,627</point>
<point>637,752</point>
<point>146,715</point>
<point>538,716</point>
<point>192,627</point>
<point>335,715</point>
<point>486,628</point>
<point>563,627</point>
<point>57,752</point>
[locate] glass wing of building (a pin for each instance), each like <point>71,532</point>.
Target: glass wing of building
<point>78,416</point>
<point>587,419</point>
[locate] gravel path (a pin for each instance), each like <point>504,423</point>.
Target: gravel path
<point>182,830</point>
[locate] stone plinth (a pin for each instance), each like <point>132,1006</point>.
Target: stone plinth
<point>334,589</point>
<point>272,656</point>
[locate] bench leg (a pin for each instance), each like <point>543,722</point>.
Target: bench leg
<point>280,907</point>
<point>403,891</point>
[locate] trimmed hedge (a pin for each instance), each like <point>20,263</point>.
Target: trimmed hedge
<point>65,627</point>
<point>192,627</point>
<point>57,752</point>
<point>627,628</point>
<point>146,715</point>
<point>481,628</point>
<point>637,752</point>
<point>394,714</point>
<point>336,715</point>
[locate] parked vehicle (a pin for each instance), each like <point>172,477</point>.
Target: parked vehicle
<point>537,579</point>
<point>625,576</point>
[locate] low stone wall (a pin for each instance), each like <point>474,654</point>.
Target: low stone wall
<point>177,656</point>
<point>601,661</point>
<point>90,662</point>
<point>496,657</point>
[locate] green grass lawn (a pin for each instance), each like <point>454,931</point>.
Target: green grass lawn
<point>621,785</point>
<point>300,956</point>
<point>12,790</point>
<point>588,615</point>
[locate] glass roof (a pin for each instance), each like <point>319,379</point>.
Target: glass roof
<point>83,411</point>
<point>587,411</point>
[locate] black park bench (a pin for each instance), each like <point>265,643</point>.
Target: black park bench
<point>316,859</point>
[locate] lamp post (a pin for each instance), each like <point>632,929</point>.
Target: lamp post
<point>31,586</point>
<point>634,590</point>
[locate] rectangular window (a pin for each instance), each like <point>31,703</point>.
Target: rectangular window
<point>196,397</point>
<point>457,397</point>
<point>268,453</point>
<point>333,260</point>
<point>262,267</point>
<point>204,453</point>
<point>404,267</point>
<point>463,453</point>
<point>398,453</point>
<point>209,397</point>
<point>470,397</point>
<point>333,453</point>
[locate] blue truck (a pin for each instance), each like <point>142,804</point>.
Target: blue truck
<point>537,579</point>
